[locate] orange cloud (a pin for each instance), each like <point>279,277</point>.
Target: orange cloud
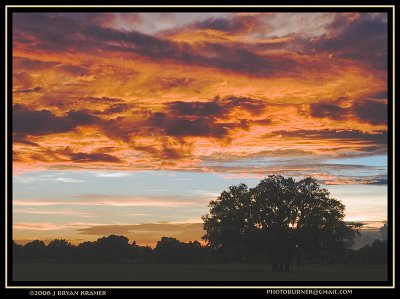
<point>37,226</point>
<point>104,96</point>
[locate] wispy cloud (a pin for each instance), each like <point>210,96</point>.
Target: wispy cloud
<point>154,190</point>
<point>112,174</point>
<point>33,179</point>
<point>37,226</point>
<point>116,201</point>
<point>52,212</point>
<point>69,180</point>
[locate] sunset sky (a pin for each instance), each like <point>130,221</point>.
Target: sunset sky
<point>130,123</point>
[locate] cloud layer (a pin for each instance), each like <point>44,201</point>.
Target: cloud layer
<point>115,91</point>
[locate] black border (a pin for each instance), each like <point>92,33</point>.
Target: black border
<point>262,285</point>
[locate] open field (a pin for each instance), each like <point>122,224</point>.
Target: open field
<point>194,272</point>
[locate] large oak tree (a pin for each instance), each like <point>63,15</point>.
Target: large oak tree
<point>281,217</point>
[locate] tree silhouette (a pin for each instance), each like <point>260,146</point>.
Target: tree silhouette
<point>141,254</point>
<point>112,248</point>
<point>384,232</point>
<point>34,251</point>
<point>60,250</point>
<point>86,251</point>
<point>17,253</point>
<point>171,250</point>
<point>375,253</point>
<point>285,217</point>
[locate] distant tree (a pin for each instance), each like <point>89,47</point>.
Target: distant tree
<point>86,252</point>
<point>383,232</point>
<point>376,253</point>
<point>144,254</point>
<point>171,250</point>
<point>195,252</point>
<point>17,254</point>
<point>140,253</point>
<point>34,251</point>
<point>60,250</point>
<point>168,250</point>
<point>282,216</point>
<point>112,248</point>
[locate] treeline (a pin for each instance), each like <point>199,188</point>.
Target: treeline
<point>376,253</point>
<point>117,249</point>
<point>111,249</point>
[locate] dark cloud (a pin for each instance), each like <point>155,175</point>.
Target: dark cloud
<point>366,110</point>
<point>94,157</point>
<point>328,110</point>
<point>378,138</point>
<point>232,24</point>
<point>91,37</point>
<point>32,64</point>
<point>221,24</point>
<point>212,55</point>
<point>199,127</point>
<point>65,154</point>
<point>29,90</point>
<point>150,150</point>
<point>167,150</point>
<point>379,181</point>
<point>373,112</point>
<point>254,106</point>
<point>363,39</point>
<point>105,100</point>
<point>238,58</point>
<point>171,154</point>
<point>39,65</point>
<point>21,140</point>
<point>42,122</point>
<point>117,108</point>
<point>181,126</point>
<point>354,180</point>
<point>379,95</point>
<point>36,122</point>
<point>171,82</point>
<point>217,106</point>
<point>140,43</point>
<point>182,119</point>
<point>375,150</point>
<point>196,108</point>
<point>73,69</point>
<point>49,32</point>
<point>204,119</point>
<point>80,118</point>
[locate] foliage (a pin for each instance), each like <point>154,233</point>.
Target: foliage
<point>376,253</point>
<point>281,217</point>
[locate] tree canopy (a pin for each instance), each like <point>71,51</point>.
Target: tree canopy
<point>281,217</point>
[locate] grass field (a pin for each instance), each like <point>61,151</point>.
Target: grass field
<point>189,272</point>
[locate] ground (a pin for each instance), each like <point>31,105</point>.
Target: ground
<point>191,272</point>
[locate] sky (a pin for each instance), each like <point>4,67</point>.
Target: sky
<point>130,123</point>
